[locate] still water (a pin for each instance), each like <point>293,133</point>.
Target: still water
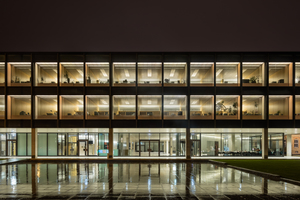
<point>133,181</point>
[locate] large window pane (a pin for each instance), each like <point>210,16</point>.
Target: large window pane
<point>253,107</point>
<point>210,144</point>
<point>46,107</point>
<point>124,74</point>
<point>149,74</point>
<point>28,144</point>
<point>297,75</point>
<point>124,107</point>
<point>52,144</point>
<point>21,144</point>
<point>175,74</point>
<point>42,144</point>
<point>174,107</point>
<point>202,74</point>
<point>202,107</point>
<point>71,74</point>
<point>71,107</point>
<point>103,144</point>
<point>280,74</point>
<point>227,107</point>
<point>297,107</point>
<point>97,74</point>
<point>46,74</point>
<point>253,74</point>
<point>19,74</point>
<point>72,144</point>
<point>280,107</point>
<point>97,107</point>
<point>251,144</point>
<point>93,144</point>
<point>227,74</point>
<point>2,144</point>
<point>231,144</point>
<point>275,144</point>
<point>149,107</point>
<point>19,107</point>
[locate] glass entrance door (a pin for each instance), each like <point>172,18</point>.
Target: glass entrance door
<point>11,147</point>
<point>149,148</point>
<point>83,147</point>
<point>195,148</point>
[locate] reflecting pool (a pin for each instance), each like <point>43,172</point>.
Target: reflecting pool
<point>135,181</point>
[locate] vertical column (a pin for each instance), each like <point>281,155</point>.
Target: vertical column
<point>265,147</point>
<point>110,144</point>
<point>33,143</point>
<point>34,182</point>
<point>188,143</point>
<point>289,145</point>
<point>110,177</point>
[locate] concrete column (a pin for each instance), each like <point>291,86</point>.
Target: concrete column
<point>265,145</point>
<point>289,145</point>
<point>233,142</point>
<point>264,186</point>
<point>110,144</point>
<point>33,143</point>
<point>188,144</point>
<point>188,173</point>
<point>110,177</point>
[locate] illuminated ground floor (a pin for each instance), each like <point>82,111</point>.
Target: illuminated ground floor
<point>153,143</point>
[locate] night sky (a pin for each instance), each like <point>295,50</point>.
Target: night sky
<point>149,26</point>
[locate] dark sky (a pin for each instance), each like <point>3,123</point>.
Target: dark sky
<point>149,26</point>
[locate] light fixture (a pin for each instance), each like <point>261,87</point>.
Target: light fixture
<point>80,101</point>
<point>55,70</point>
<point>80,72</point>
<point>195,72</point>
<point>195,101</point>
<point>55,100</point>
<point>149,72</point>
<point>103,72</point>
<point>172,101</point>
<point>20,63</point>
<point>103,106</point>
<point>149,102</point>
<point>127,102</point>
<point>172,72</point>
<point>218,72</point>
<point>103,101</point>
<point>126,72</point>
<point>244,70</point>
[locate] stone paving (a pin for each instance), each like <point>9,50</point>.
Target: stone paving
<point>137,181</point>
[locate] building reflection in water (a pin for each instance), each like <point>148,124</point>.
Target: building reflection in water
<point>181,179</point>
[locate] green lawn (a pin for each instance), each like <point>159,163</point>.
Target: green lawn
<point>285,168</point>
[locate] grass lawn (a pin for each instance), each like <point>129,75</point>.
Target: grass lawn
<point>285,168</point>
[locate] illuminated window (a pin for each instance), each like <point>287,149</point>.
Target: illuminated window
<point>71,74</point>
<point>46,107</point>
<point>280,107</point>
<point>149,107</point>
<point>71,107</point>
<point>202,74</point>
<point>97,74</point>
<point>124,74</point>
<point>280,74</point>
<point>149,74</point>
<point>19,74</point>
<point>253,107</point>
<point>46,74</point>
<point>124,107</point>
<point>202,107</point>
<point>227,74</point>
<point>227,107</point>
<point>253,74</point>
<point>175,74</point>
<point>19,107</point>
<point>174,107</point>
<point>97,107</point>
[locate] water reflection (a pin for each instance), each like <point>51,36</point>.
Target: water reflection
<point>189,180</point>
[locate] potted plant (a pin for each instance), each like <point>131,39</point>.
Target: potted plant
<point>42,79</point>
<point>253,79</point>
<point>67,77</point>
<point>235,105</point>
<point>278,112</point>
<point>256,107</point>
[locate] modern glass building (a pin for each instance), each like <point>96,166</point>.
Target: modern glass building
<point>131,105</point>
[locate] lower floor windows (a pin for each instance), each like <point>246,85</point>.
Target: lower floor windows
<point>15,144</point>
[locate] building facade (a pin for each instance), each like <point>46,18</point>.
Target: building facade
<point>116,105</point>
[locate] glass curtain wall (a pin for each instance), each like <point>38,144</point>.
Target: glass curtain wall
<point>137,143</point>
<point>72,144</point>
<point>276,144</point>
<point>15,144</point>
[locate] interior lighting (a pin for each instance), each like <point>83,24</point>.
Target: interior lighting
<point>172,101</point>
<point>149,102</point>
<point>172,72</point>
<point>126,72</point>
<point>103,72</point>
<point>149,72</point>
<point>103,101</point>
<point>80,101</point>
<point>244,70</point>
<point>80,72</point>
<point>218,72</point>
<point>195,72</point>
<point>195,101</point>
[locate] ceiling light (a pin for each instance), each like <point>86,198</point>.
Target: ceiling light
<point>103,72</point>
<point>55,100</point>
<point>80,72</point>
<point>244,70</point>
<point>149,72</point>
<point>55,70</point>
<point>103,106</point>
<point>172,101</point>
<point>126,72</point>
<point>20,63</point>
<point>126,102</point>
<point>80,101</point>
<point>218,72</point>
<point>149,101</point>
<point>195,101</point>
<point>195,72</point>
<point>103,101</point>
<point>172,72</point>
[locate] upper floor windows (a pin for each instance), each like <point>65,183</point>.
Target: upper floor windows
<point>19,74</point>
<point>202,74</point>
<point>46,74</point>
<point>227,74</point>
<point>2,73</point>
<point>175,74</point>
<point>124,74</point>
<point>71,74</point>
<point>149,74</point>
<point>97,74</point>
<point>253,74</point>
<point>280,74</point>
